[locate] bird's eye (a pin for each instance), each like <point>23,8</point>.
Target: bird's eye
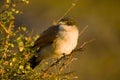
<point>68,23</point>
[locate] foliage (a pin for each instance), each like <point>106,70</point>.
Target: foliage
<point>15,51</point>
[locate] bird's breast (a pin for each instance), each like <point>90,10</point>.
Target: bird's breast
<point>66,41</point>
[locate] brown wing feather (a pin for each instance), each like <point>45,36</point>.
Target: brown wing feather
<point>46,37</point>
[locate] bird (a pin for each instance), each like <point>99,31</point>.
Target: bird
<point>56,41</point>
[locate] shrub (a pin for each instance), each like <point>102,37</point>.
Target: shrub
<point>15,51</point>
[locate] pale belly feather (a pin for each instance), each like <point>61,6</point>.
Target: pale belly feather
<point>66,43</point>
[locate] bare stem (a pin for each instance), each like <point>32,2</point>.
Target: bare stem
<point>68,10</point>
<point>67,61</point>
<point>10,28</point>
<point>4,28</point>
<point>52,65</point>
<point>83,30</point>
<point>87,42</point>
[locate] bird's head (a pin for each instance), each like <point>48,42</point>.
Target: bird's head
<point>67,24</point>
<point>67,21</point>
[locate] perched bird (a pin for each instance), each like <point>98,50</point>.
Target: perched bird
<point>55,41</point>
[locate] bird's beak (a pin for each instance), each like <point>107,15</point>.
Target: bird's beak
<point>61,23</point>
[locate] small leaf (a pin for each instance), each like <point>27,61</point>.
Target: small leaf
<point>23,28</point>
<point>21,46</point>
<point>21,67</point>
<point>17,11</point>
<point>11,64</point>
<point>14,59</point>
<point>7,1</point>
<point>12,45</point>
<point>28,67</point>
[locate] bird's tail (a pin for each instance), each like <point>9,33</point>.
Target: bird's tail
<point>33,62</point>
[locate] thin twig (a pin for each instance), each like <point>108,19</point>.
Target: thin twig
<point>68,10</point>
<point>66,62</point>
<point>83,30</point>
<point>10,28</point>
<point>52,65</point>
<point>4,28</point>
<point>87,42</point>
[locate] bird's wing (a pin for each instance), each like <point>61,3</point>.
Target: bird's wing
<point>46,37</point>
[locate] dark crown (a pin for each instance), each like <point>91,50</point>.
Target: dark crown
<point>68,21</point>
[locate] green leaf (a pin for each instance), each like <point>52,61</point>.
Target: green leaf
<point>21,46</point>
<point>23,28</point>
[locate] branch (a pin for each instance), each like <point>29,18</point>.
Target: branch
<point>45,74</point>
<point>68,10</point>
<point>83,30</point>
<point>4,28</point>
<point>67,61</point>
<point>70,56</point>
<point>87,42</point>
<point>10,28</point>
